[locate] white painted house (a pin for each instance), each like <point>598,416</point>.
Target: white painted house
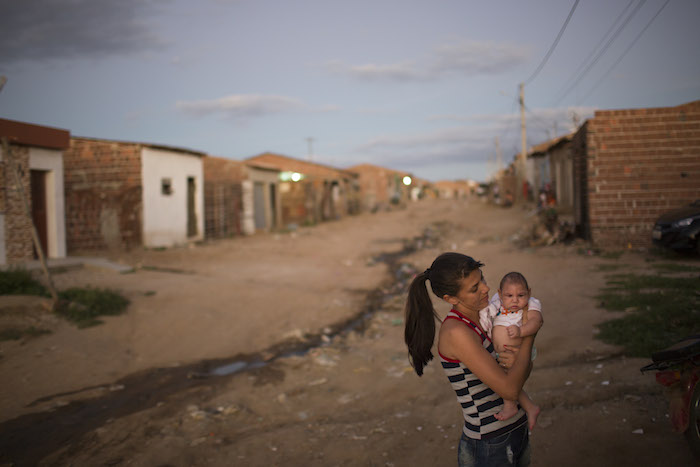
<point>122,195</point>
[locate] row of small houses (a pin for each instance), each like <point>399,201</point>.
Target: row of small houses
<point>618,172</point>
<point>613,177</point>
<point>87,194</point>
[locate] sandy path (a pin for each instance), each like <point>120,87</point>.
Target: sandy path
<point>353,401</point>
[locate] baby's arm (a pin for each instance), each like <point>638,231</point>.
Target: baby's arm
<point>532,318</point>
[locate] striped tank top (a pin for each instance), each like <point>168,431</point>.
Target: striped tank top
<point>479,402</point>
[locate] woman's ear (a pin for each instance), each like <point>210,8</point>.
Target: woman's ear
<point>450,299</point>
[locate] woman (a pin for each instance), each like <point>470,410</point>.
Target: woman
<point>469,359</point>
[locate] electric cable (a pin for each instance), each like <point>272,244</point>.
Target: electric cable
<point>554,45</point>
<point>590,55</point>
<point>603,50</point>
<point>625,52</point>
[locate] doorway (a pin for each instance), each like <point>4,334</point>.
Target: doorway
<point>191,214</point>
<point>39,209</point>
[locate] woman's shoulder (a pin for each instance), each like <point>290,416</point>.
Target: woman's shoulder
<point>455,329</point>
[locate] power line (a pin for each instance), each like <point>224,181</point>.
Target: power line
<point>583,63</point>
<point>626,50</point>
<point>604,49</point>
<point>553,46</point>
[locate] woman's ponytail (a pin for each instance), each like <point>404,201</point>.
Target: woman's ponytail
<point>445,275</point>
<point>419,333</point>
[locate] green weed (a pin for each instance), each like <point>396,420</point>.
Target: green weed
<point>84,306</point>
<point>658,311</point>
<point>20,282</point>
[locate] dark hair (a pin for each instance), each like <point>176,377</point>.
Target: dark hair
<point>444,275</point>
<point>513,278</point>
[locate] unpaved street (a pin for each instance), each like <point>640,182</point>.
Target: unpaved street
<point>287,349</point>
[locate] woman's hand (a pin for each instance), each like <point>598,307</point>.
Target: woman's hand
<point>507,357</point>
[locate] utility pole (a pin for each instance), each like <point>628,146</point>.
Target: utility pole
<point>523,139</point>
<point>311,151</point>
<point>499,158</point>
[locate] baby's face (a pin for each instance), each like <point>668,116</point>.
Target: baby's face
<point>514,296</point>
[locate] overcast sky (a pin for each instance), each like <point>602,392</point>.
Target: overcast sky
<point>429,87</point>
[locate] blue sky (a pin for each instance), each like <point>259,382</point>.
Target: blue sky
<point>422,86</point>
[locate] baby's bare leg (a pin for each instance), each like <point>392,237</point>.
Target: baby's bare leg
<point>500,339</point>
<point>532,410</point>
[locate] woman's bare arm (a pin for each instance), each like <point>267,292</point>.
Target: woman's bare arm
<point>458,342</point>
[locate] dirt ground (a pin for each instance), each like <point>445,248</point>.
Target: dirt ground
<point>287,349</point>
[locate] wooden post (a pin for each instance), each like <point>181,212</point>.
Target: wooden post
<point>27,210</point>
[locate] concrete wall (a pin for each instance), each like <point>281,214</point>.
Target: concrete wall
<point>165,215</point>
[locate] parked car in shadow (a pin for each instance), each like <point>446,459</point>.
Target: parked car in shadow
<point>679,229</point>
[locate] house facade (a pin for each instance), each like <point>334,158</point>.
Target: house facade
<point>310,192</point>
<point>630,166</point>
<point>552,163</point>
<point>381,187</point>
<point>32,177</point>
<point>121,195</point>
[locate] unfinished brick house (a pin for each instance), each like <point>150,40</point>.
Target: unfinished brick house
<point>122,195</point>
<point>381,187</point>
<point>316,193</point>
<point>630,166</point>
<point>239,197</point>
<point>551,163</point>
<point>36,157</point>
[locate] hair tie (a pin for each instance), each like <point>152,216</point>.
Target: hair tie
<point>426,272</point>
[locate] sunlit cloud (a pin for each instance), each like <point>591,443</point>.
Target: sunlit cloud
<point>241,106</point>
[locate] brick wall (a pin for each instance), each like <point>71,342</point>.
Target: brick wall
<point>19,246</point>
<point>640,163</point>
<point>223,195</point>
<point>103,191</point>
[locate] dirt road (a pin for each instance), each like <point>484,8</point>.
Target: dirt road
<point>287,349</point>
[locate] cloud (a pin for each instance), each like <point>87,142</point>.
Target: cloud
<point>241,106</point>
<point>33,30</point>
<point>472,140</point>
<point>466,57</point>
<point>473,57</point>
<point>371,72</point>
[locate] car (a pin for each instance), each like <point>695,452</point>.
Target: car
<point>679,229</point>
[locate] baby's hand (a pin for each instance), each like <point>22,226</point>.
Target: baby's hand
<point>513,331</point>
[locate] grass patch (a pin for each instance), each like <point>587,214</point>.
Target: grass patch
<point>658,311</point>
<point>81,306</point>
<point>84,306</point>
<point>20,282</point>
<point>675,267</point>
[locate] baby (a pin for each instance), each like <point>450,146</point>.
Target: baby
<point>512,314</point>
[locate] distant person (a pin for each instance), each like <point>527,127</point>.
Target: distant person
<point>469,360</point>
<point>511,315</point>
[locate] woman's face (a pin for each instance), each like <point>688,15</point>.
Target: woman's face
<point>473,294</point>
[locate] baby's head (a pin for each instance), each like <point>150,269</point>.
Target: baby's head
<point>514,291</point>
